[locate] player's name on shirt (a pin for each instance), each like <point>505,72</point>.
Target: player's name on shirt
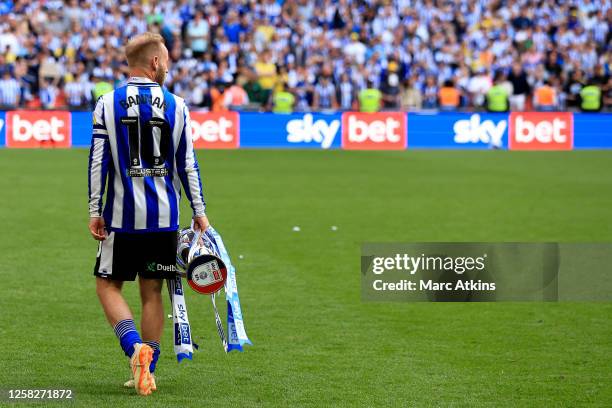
<point>146,99</point>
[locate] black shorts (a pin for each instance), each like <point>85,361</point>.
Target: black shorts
<point>122,255</point>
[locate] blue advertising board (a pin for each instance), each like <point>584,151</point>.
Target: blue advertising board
<point>81,129</point>
<point>425,131</point>
<point>592,131</point>
<point>304,130</point>
<point>2,129</point>
<point>457,130</point>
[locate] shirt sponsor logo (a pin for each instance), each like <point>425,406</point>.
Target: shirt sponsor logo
<point>154,172</point>
<point>308,130</point>
<point>155,267</point>
<point>374,131</point>
<point>215,130</point>
<point>166,268</point>
<point>541,131</point>
<point>26,129</point>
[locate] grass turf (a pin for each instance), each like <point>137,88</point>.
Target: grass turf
<point>315,343</point>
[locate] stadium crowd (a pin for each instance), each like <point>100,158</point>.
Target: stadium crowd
<point>317,55</point>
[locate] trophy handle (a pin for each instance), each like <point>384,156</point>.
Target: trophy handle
<point>192,249</point>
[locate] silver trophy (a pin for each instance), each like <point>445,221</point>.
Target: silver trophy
<point>198,259</point>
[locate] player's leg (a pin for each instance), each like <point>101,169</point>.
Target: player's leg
<point>159,264</point>
<point>152,308</point>
<point>115,307</point>
<point>152,323</point>
<point>118,313</point>
<point>111,268</point>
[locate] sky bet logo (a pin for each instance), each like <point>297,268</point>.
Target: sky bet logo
<point>213,130</point>
<point>374,131</point>
<point>38,129</point>
<point>178,286</point>
<point>541,131</point>
<point>473,130</point>
<point>181,334</point>
<point>308,130</point>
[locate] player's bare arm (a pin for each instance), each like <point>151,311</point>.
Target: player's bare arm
<point>97,228</point>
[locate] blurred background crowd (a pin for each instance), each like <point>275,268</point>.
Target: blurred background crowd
<point>301,55</point>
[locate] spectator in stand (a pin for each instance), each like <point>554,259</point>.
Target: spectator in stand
<point>253,89</point>
<point>573,88</point>
<point>282,100</point>
<point>591,97</point>
<point>198,32</point>
<point>520,87</point>
<point>370,98</point>
<point>10,92</point>
<point>553,64</point>
<point>75,93</point>
<point>346,93</point>
<point>497,96</point>
<point>48,94</point>
<point>461,40</point>
<point>232,27</point>
<point>449,96</point>
<point>461,79</point>
<point>20,70</point>
<point>522,21</point>
<point>390,87</point>
<point>545,98</point>
<point>506,84</point>
<point>101,87</point>
<point>82,78</point>
<point>478,87</point>
<point>356,50</point>
<point>236,96</point>
<point>324,96</point>
<point>430,93</point>
<point>266,72</point>
<point>303,96</point>
<point>49,68</point>
<point>555,82</point>
<point>218,98</point>
<point>411,98</point>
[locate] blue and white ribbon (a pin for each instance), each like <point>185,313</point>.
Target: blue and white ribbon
<point>183,346</point>
<point>236,332</point>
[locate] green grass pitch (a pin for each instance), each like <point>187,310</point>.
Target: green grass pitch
<point>315,343</point>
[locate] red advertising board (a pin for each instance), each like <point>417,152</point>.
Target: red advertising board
<point>31,129</point>
<point>374,131</point>
<point>541,131</point>
<point>215,130</point>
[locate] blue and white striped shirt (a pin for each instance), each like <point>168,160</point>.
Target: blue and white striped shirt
<point>142,143</point>
<point>10,92</point>
<point>75,93</point>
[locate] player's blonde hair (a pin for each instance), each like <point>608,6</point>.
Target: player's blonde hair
<point>141,48</point>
